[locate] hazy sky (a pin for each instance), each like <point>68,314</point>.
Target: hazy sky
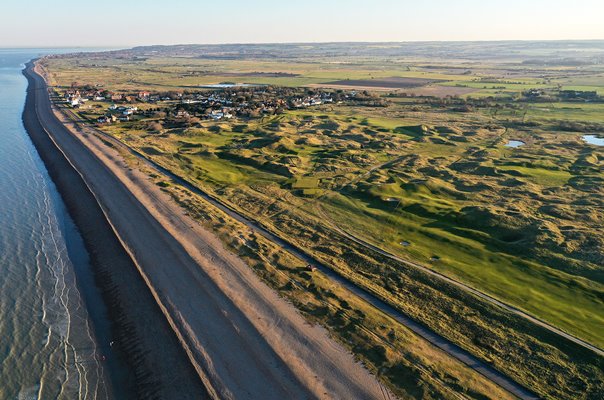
<point>122,23</point>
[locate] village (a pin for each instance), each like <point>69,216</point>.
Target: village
<point>188,106</point>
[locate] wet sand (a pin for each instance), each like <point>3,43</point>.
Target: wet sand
<point>138,325</point>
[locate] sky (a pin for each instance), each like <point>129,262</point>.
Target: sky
<point>126,23</point>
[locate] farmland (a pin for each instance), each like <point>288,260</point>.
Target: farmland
<point>423,174</point>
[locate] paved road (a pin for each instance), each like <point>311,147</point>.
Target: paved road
<point>475,292</point>
<point>450,348</point>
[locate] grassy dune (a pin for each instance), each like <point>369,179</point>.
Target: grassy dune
<point>436,216</point>
<point>420,179</point>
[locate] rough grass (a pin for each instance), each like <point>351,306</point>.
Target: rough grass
<point>519,224</point>
<point>409,366</point>
<point>428,206</point>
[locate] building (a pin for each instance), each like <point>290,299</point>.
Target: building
<point>106,119</point>
<point>182,114</point>
<point>127,110</point>
<point>143,96</point>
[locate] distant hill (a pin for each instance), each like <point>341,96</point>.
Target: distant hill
<point>529,52</point>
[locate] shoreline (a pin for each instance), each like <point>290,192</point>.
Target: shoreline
<point>125,295</point>
<point>242,339</point>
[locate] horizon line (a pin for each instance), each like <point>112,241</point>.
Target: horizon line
<point>130,46</point>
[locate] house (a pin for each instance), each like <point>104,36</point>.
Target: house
<point>105,119</point>
<point>73,98</point>
<point>72,93</point>
<point>116,97</point>
<point>182,114</point>
<point>533,93</point>
<point>98,95</point>
<point>128,110</point>
<point>216,115</point>
<point>143,96</point>
<point>124,118</point>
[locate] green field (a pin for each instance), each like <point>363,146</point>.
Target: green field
<point>436,204</point>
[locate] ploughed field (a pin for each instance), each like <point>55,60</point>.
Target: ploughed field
<point>389,83</point>
<point>428,179</point>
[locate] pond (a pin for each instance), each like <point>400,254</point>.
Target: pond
<point>514,143</point>
<point>593,139</point>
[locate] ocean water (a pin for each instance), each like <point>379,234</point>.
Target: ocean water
<point>54,331</point>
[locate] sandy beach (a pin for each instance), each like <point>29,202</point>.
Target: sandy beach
<point>228,330</point>
<point>138,323</point>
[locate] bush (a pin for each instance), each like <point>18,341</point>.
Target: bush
<point>155,126</point>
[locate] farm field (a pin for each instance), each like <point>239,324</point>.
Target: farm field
<point>420,168</point>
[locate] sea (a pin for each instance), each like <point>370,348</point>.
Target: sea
<point>55,334</point>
